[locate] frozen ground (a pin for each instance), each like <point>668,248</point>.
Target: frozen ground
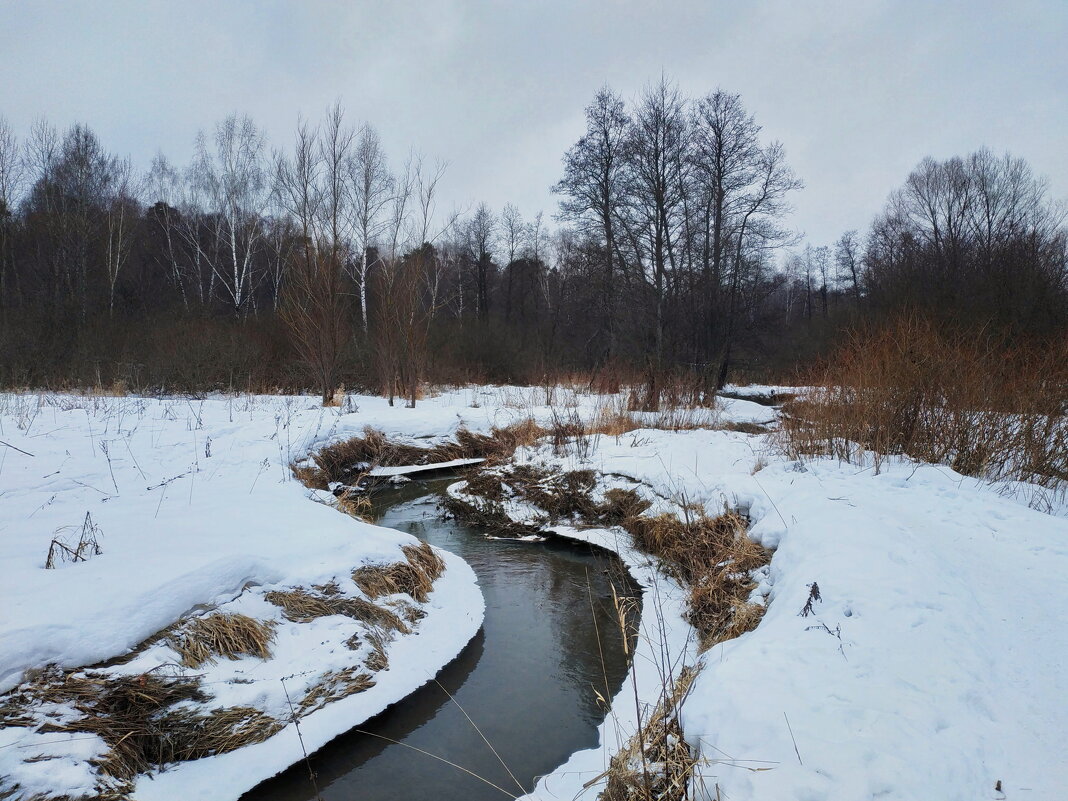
<point>930,669</point>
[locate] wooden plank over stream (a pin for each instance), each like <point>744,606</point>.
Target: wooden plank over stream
<point>411,469</point>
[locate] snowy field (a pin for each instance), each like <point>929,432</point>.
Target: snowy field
<point>930,669</point>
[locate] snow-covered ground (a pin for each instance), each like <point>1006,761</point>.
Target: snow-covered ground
<point>195,508</point>
<point>931,669</point>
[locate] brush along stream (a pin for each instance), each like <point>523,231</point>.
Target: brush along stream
<point>711,554</point>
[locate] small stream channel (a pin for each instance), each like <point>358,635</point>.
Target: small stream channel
<point>529,678</point>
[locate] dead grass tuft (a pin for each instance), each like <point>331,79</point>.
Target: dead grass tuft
<point>355,504</point>
<point>656,763</point>
<point>333,686</point>
<point>378,660</point>
<point>619,506</point>
<point>414,577</point>
<point>300,606</point>
<point>309,475</point>
<point>715,557</point>
<point>232,636</point>
<point>143,719</point>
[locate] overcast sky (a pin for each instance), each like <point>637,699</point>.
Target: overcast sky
<point>858,92</point>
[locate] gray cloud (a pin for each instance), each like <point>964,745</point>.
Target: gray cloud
<point>857,91</point>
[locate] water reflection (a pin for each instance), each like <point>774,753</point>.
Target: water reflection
<point>529,679</point>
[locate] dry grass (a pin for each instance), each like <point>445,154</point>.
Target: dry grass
<point>301,606</point>
<point>715,557</point>
<point>355,504</point>
<point>350,459</point>
<point>333,686</point>
<point>378,639</point>
<point>656,763</point>
<point>414,577</point>
<point>915,389</point>
<point>232,636</point>
<point>619,506</point>
<point>613,423</point>
<point>744,428</point>
<point>488,515</point>
<point>563,496</point>
<point>143,719</point>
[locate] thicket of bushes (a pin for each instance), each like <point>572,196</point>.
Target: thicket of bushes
<point>925,390</point>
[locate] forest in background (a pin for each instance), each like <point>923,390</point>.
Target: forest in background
<point>322,263</point>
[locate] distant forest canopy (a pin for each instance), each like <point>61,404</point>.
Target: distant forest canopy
<point>323,264</point>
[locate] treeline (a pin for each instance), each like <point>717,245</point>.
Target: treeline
<point>322,264</point>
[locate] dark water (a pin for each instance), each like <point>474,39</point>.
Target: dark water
<point>529,679</point>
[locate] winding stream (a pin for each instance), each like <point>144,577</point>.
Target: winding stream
<point>529,679</point>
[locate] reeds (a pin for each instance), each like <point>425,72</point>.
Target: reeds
<point>414,577</point>
<point>300,605</point>
<point>231,636</point>
<point>145,720</point>
<point>656,764</point>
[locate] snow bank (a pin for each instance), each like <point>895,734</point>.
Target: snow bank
<point>932,667</point>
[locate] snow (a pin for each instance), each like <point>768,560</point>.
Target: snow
<point>196,509</point>
<point>930,669</point>
<point>194,499</point>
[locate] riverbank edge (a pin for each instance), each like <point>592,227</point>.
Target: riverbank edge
<point>455,614</point>
<point>666,643</point>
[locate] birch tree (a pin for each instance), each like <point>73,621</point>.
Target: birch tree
<point>372,188</point>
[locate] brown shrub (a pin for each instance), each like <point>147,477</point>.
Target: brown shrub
<point>913,388</point>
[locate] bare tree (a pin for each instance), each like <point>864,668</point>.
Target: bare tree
<point>593,186</point>
<point>847,259</point>
<point>235,181</point>
<point>123,207</point>
<point>656,162</point>
<point>512,233</point>
<point>726,156</point>
<point>372,188</point>
<point>12,175</point>
<point>481,237</point>
<point>314,304</point>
